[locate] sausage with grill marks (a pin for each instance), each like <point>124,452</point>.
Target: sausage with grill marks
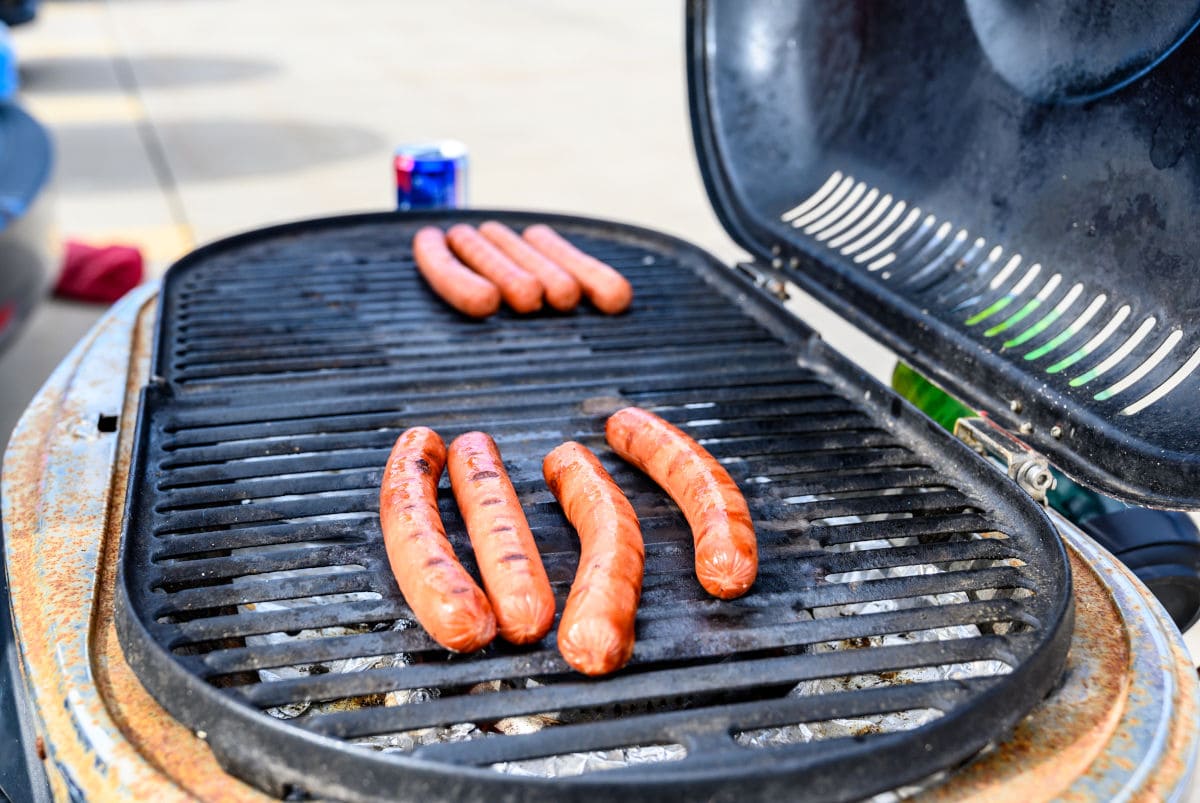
<point>443,596</point>
<point>596,632</point>
<point>562,291</point>
<point>716,511</point>
<point>608,290</point>
<point>456,284</point>
<point>521,290</point>
<point>508,559</point>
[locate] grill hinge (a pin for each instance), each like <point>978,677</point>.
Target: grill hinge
<point>768,278</point>
<point>1030,469</point>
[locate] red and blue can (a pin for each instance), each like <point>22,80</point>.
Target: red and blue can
<point>431,175</point>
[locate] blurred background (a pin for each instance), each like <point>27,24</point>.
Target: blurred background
<point>176,122</point>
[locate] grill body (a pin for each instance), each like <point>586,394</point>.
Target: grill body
<point>286,362</point>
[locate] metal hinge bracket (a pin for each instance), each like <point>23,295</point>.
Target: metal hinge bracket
<point>769,279</point>
<point>1030,469</point>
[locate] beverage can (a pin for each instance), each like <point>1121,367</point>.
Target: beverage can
<point>431,175</point>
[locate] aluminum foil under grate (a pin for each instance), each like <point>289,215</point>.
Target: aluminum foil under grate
<point>570,764</point>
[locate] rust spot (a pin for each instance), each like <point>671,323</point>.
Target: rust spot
<point>151,756</point>
<point>503,528</point>
<point>436,562</point>
<point>422,465</point>
<point>1068,733</point>
<point>484,475</point>
<point>514,556</point>
<point>39,745</point>
<point>492,500</point>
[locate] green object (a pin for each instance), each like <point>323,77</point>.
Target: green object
<point>1014,319</point>
<point>1069,498</point>
<point>928,397</point>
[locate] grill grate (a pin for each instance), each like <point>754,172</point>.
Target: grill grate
<point>898,573</point>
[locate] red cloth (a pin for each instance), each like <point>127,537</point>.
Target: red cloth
<point>99,274</point>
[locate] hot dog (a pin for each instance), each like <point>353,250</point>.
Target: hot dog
<point>443,596</point>
<point>596,632</point>
<point>522,291</point>
<point>513,575</point>
<point>454,282</point>
<point>609,291</point>
<point>726,548</point>
<point>562,291</point>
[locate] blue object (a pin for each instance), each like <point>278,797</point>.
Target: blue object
<point>431,175</point>
<point>16,12</point>
<point>8,66</point>
<point>25,161</point>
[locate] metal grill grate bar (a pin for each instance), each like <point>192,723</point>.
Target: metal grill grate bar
<point>665,559</point>
<point>822,596</point>
<point>646,686</point>
<point>683,726</point>
<point>534,409</point>
<point>547,662</point>
<point>736,384</point>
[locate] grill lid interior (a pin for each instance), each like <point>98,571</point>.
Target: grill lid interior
<point>912,603</point>
<point>1004,193</point>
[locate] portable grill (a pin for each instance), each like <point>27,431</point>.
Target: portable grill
<point>198,580</point>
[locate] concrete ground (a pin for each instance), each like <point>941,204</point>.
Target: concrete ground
<point>180,121</point>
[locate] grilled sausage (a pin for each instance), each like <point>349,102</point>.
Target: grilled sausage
<point>609,291</point>
<point>442,595</point>
<point>562,291</point>
<point>522,291</point>
<point>595,634</point>
<point>726,548</point>
<point>513,575</point>
<point>454,282</point>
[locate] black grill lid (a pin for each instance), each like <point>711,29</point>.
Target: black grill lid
<point>1004,193</point>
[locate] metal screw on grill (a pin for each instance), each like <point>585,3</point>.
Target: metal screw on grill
<point>1035,477</point>
<point>778,289</point>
